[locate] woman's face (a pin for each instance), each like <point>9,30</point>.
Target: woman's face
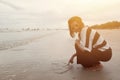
<point>75,26</point>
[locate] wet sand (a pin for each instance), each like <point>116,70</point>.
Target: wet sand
<point>47,57</point>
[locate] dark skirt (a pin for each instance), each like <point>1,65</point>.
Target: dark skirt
<point>89,59</point>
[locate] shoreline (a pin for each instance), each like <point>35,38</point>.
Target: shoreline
<point>8,44</point>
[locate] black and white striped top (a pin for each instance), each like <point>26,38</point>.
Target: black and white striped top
<point>90,39</point>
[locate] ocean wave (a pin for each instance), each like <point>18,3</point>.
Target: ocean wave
<point>7,44</point>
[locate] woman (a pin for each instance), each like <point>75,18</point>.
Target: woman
<point>90,46</point>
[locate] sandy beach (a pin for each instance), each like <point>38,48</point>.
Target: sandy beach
<point>46,58</point>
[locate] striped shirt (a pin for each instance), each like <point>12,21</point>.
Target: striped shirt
<point>90,39</point>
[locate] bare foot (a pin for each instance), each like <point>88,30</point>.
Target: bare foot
<point>97,67</point>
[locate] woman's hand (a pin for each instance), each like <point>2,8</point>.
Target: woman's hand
<point>71,59</point>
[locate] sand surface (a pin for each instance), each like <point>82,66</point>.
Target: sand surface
<point>46,58</point>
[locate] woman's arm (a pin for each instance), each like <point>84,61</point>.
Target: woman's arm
<point>71,59</point>
<point>77,45</point>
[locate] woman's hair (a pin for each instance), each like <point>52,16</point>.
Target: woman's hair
<point>71,20</point>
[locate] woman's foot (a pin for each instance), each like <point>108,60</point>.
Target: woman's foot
<point>96,67</point>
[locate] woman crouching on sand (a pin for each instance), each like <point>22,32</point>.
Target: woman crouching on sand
<point>90,46</point>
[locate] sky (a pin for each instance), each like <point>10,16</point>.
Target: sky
<point>55,13</point>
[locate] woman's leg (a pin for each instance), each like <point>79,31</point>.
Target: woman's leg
<point>103,55</point>
<point>86,59</point>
